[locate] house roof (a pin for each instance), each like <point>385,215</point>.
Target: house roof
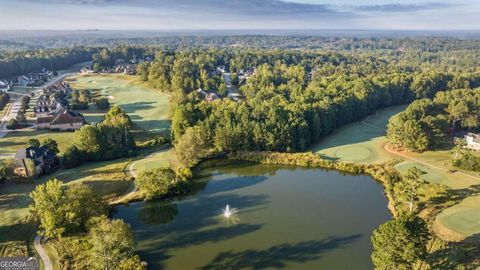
<point>476,137</point>
<point>43,120</point>
<point>33,153</point>
<point>67,117</point>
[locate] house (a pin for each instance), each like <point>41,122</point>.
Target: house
<point>207,95</point>
<point>50,105</point>
<point>86,70</point>
<point>473,141</point>
<point>60,87</point>
<point>61,119</point>
<point>220,70</point>
<point>130,70</point>
<point>234,96</point>
<point>25,80</point>
<point>44,160</point>
<point>211,97</point>
<point>201,92</point>
<point>4,86</point>
<point>126,69</point>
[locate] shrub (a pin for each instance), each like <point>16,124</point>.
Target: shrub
<point>13,124</point>
<point>155,183</point>
<point>468,161</point>
<point>102,103</point>
<point>4,99</point>
<point>73,157</point>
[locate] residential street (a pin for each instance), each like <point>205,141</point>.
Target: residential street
<point>15,105</point>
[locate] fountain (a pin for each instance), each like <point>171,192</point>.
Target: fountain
<point>229,212</point>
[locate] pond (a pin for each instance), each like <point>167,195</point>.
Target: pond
<point>290,218</point>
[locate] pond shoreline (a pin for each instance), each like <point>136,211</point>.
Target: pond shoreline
<point>268,198</point>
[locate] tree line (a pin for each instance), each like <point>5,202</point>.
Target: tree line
<point>75,219</point>
<point>15,63</point>
<point>294,98</point>
<point>107,140</point>
<point>427,123</point>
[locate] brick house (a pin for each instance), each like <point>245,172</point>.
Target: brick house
<point>63,120</point>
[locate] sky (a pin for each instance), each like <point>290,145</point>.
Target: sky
<point>239,14</point>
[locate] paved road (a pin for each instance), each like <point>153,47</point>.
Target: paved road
<point>232,91</point>
<point>11,113</point>
<point>41,251</point>
<point>397,153</point>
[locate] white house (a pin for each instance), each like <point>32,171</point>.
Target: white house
<point>86,70</point>
<point>25,80</point>
<point>473,141</point>
<point>4,86</point>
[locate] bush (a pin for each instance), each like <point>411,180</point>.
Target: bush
<point>4,99</point>
<point>468,161</point>
<point>7,168</point>
<point>155,183</point>
<point>24,103</point>
<point>78,105</point>
<point>102,103</point>
<point>73,157</point>
<point>157,141</point>
<point>13,124</point>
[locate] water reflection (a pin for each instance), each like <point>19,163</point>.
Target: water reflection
<point>278,256</point>
<point>159,212</point>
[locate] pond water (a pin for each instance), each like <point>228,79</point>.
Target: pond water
<point>290,218</point>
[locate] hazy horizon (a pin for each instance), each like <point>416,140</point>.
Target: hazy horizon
<point>184,15</point>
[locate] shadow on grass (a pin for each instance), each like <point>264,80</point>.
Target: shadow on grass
<point>278,256</point>
<point>131,108</point>
<point>452,197</point>
<point>456,254</point>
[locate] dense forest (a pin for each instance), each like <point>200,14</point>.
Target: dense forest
<point>426,123</point>
<point>294,98</point>
<point>14,63</point>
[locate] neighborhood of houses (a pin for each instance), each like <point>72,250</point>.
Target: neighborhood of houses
<point>29,80</point>
<point>232,91</point>
<point>52,110</point>
<point>121,66</point>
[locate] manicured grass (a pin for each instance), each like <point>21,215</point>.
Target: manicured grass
<point>161,159</point>
<point>462,219</point>
<point>362,141</point>
<point>18,139</point>
<point>147,107</point>
<point>4,110</point>
<point>108,179</point>
<point>440,169</point>
<point>22,89</point>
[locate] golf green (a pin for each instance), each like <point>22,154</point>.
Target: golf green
<point>147,107</point>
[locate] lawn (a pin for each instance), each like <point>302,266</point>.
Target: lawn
<point>361,142</point>
<point>147,107</point>
<point>4,110</point>
<point>18,139</point>
<point>108,179</point>
<point>460,221</point>
<point>161,159</point>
